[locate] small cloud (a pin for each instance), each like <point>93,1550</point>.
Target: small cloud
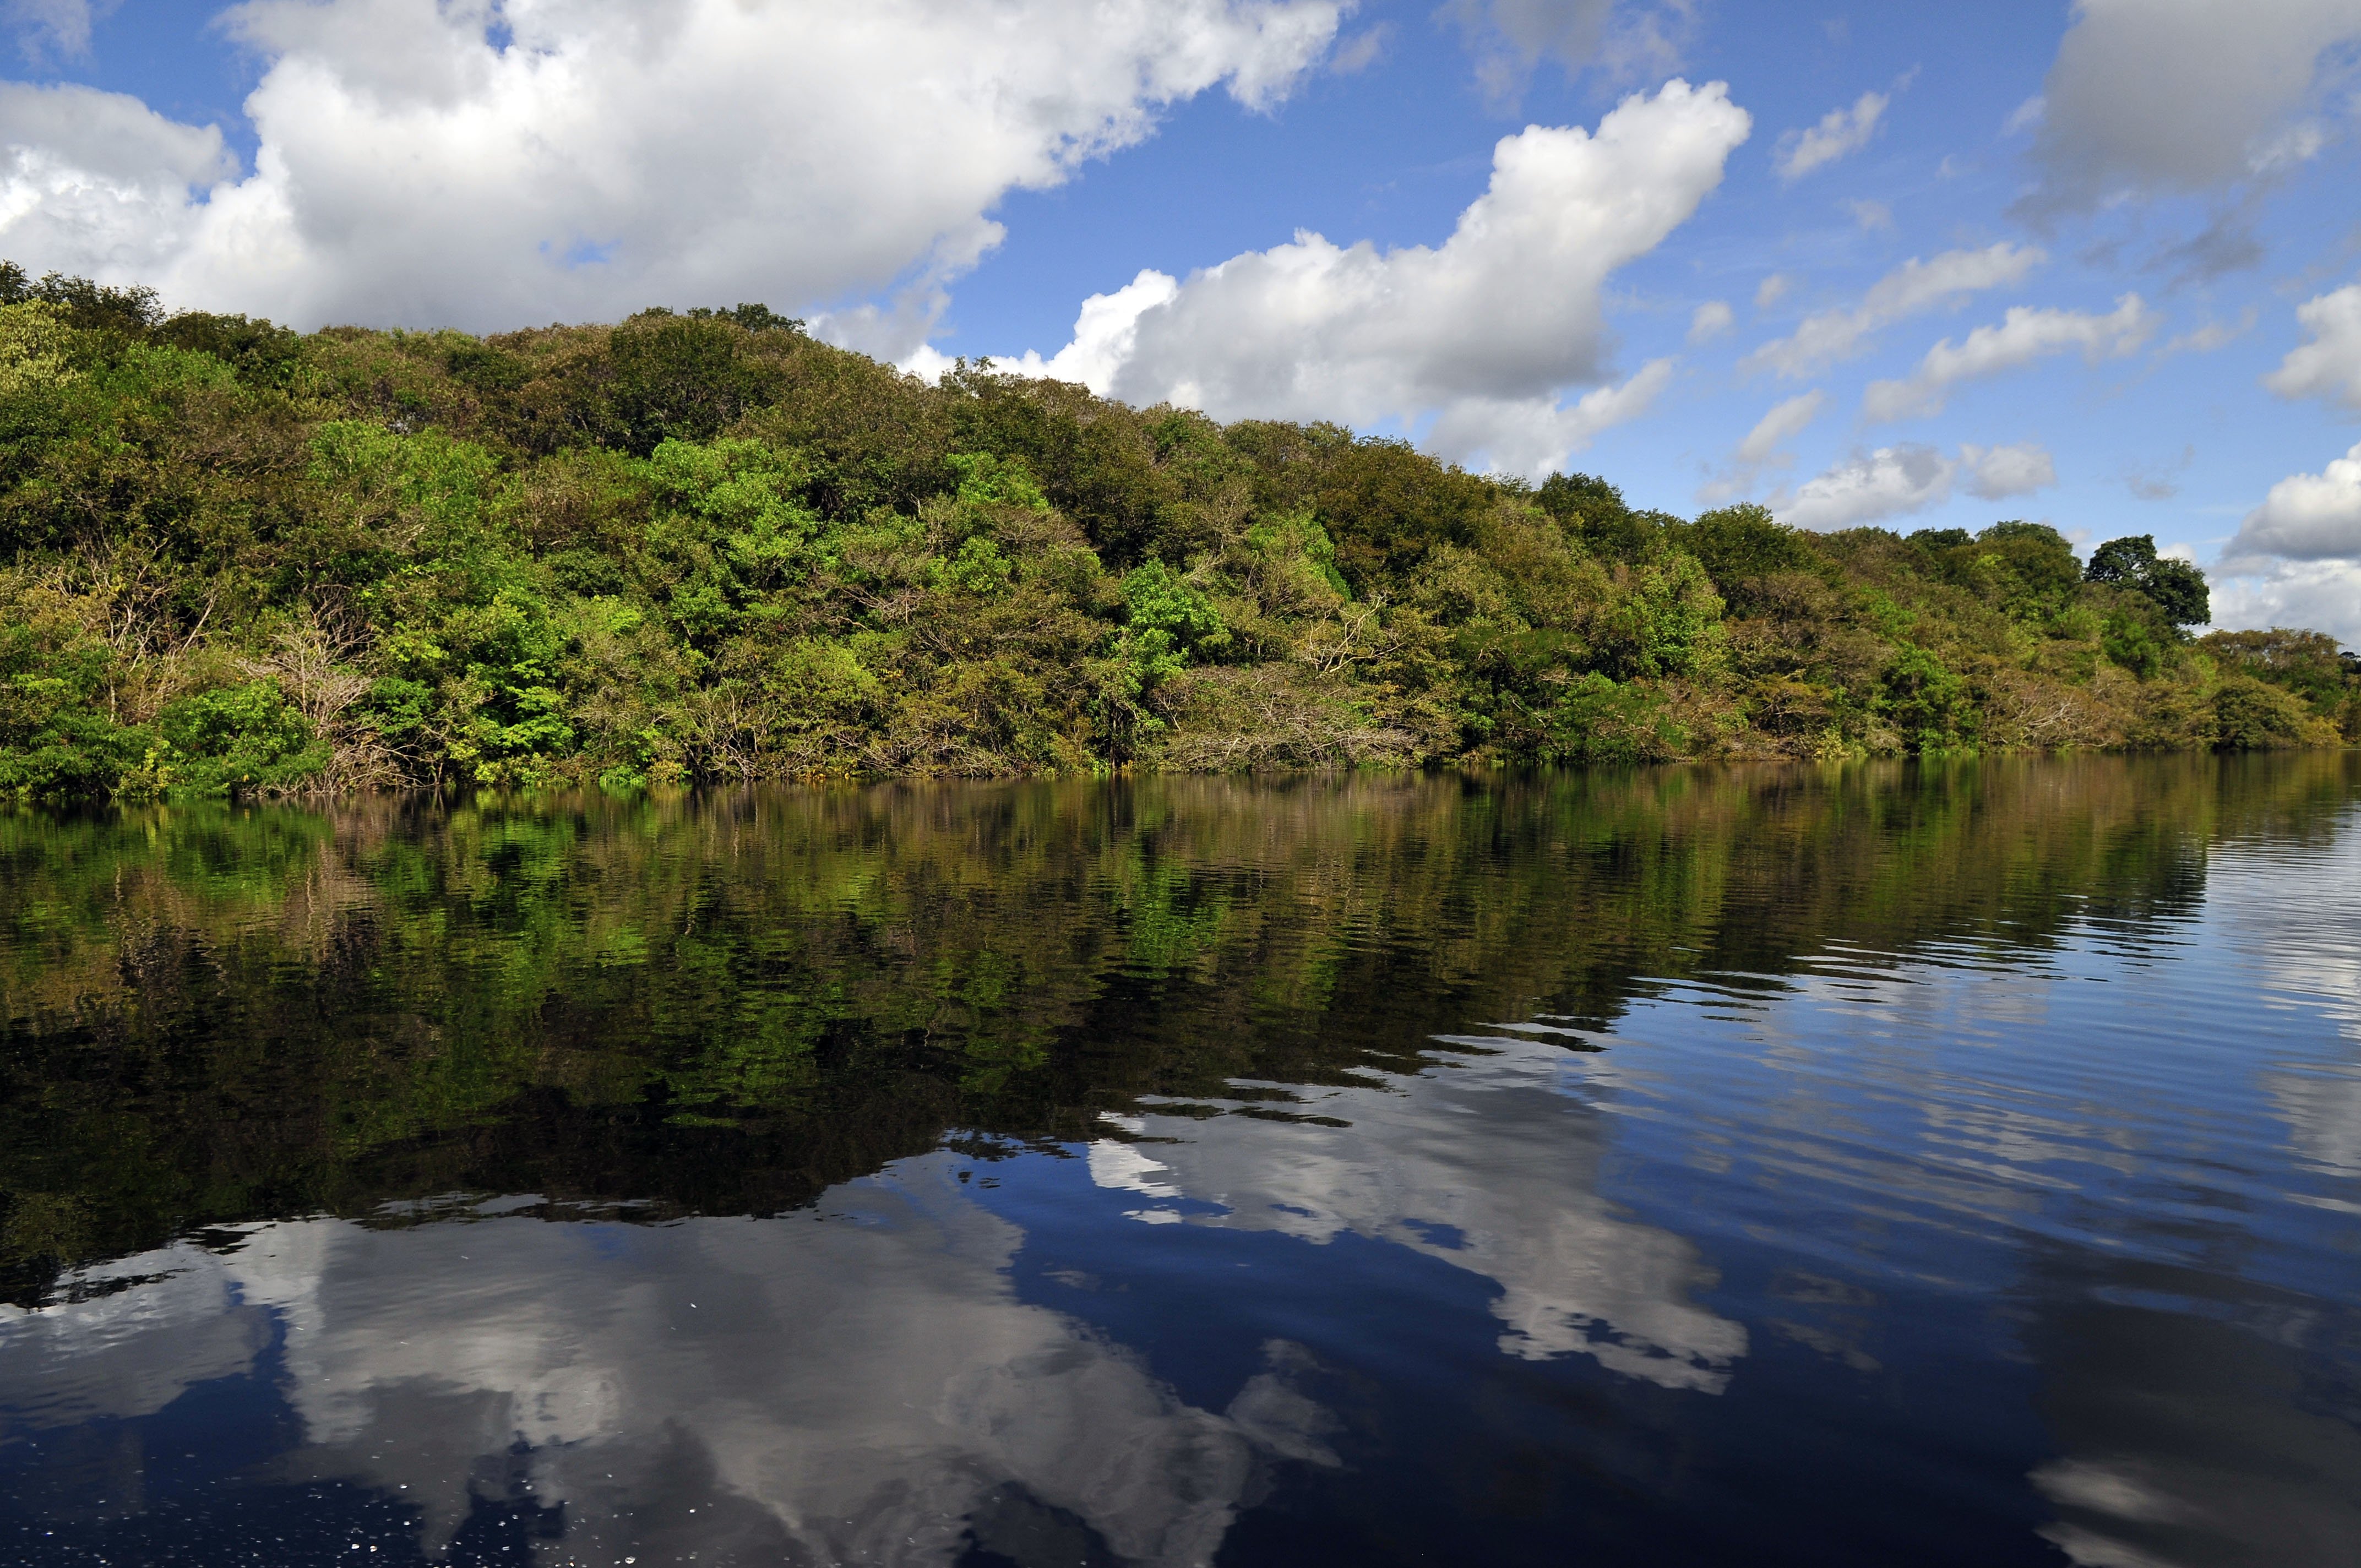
<point>1362,50</point>
<point>1892,481</point>
<point>2211,337</point>
<point>1625,41</point>
<point>1710,320</point>
<point>1871,215</point>
<point>928,363</point>
<point>1908,478</point>
<point>1996,473</point>
<point>1951,168</point>
<point>1105,334</point>
<point>2025,116</point>
<point>1784,422</point>
<point>1839,132</point>
<point>1772,289</point>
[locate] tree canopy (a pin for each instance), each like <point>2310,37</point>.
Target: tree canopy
<point>703,545</point>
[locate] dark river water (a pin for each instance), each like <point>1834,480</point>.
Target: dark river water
<point>1870,1165</point>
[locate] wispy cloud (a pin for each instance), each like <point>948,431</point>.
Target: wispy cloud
<point>1912,287</point>
<point>1839,132</point>
<point>1761,448</point>
<point>56,27</point>
<point>2022,336</point>
<point>1868,215</point>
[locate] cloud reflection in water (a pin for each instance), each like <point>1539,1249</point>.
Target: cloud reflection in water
<point>854,1384</point>
<point>1487,1161</point>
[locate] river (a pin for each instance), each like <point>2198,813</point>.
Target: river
<point>1943,1162</point>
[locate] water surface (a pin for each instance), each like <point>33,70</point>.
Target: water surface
<point>1864,1165</point>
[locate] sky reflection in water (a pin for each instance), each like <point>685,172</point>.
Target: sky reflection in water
<point>1947,1167</point>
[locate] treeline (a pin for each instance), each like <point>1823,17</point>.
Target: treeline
<point>234,559</point>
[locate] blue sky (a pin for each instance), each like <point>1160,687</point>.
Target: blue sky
<point>1916,265</point>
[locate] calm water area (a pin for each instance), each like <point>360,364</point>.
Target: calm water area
<point>1865,1165</point>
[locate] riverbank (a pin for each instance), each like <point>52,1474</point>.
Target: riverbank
<point>706,547</point>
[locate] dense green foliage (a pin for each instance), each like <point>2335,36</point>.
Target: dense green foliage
<point>727,1000</point>
<point>235,560</point>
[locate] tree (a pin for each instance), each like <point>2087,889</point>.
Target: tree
<point>2176,588</point>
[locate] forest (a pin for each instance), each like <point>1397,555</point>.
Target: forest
<point>705,547</point>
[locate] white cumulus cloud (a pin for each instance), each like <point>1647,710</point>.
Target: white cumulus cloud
<point>2182,94</point>
<point>2307,517</point>
<point>1840,131</point>
<point>1105,334</point>
<point>486,165</point>
<point>94,182</point>
<point>1915,286</point>
<point>1485,332</point>
<point>2329,365</point>
<point>1907,477</point>
<point>2322,595</point>
<point>2022,336</point>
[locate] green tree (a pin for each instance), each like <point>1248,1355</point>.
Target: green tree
<point>2176,588</point>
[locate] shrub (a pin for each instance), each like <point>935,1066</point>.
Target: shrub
<point>2249,716</point>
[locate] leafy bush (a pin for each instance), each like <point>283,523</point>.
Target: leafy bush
<point>1161,602</point>
<point>1600,721</point>
<point>58,737</point>
<point>241,740</point>
<point>2131,641</point>
<point>1929,704</point>
<point>2249,716</point>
